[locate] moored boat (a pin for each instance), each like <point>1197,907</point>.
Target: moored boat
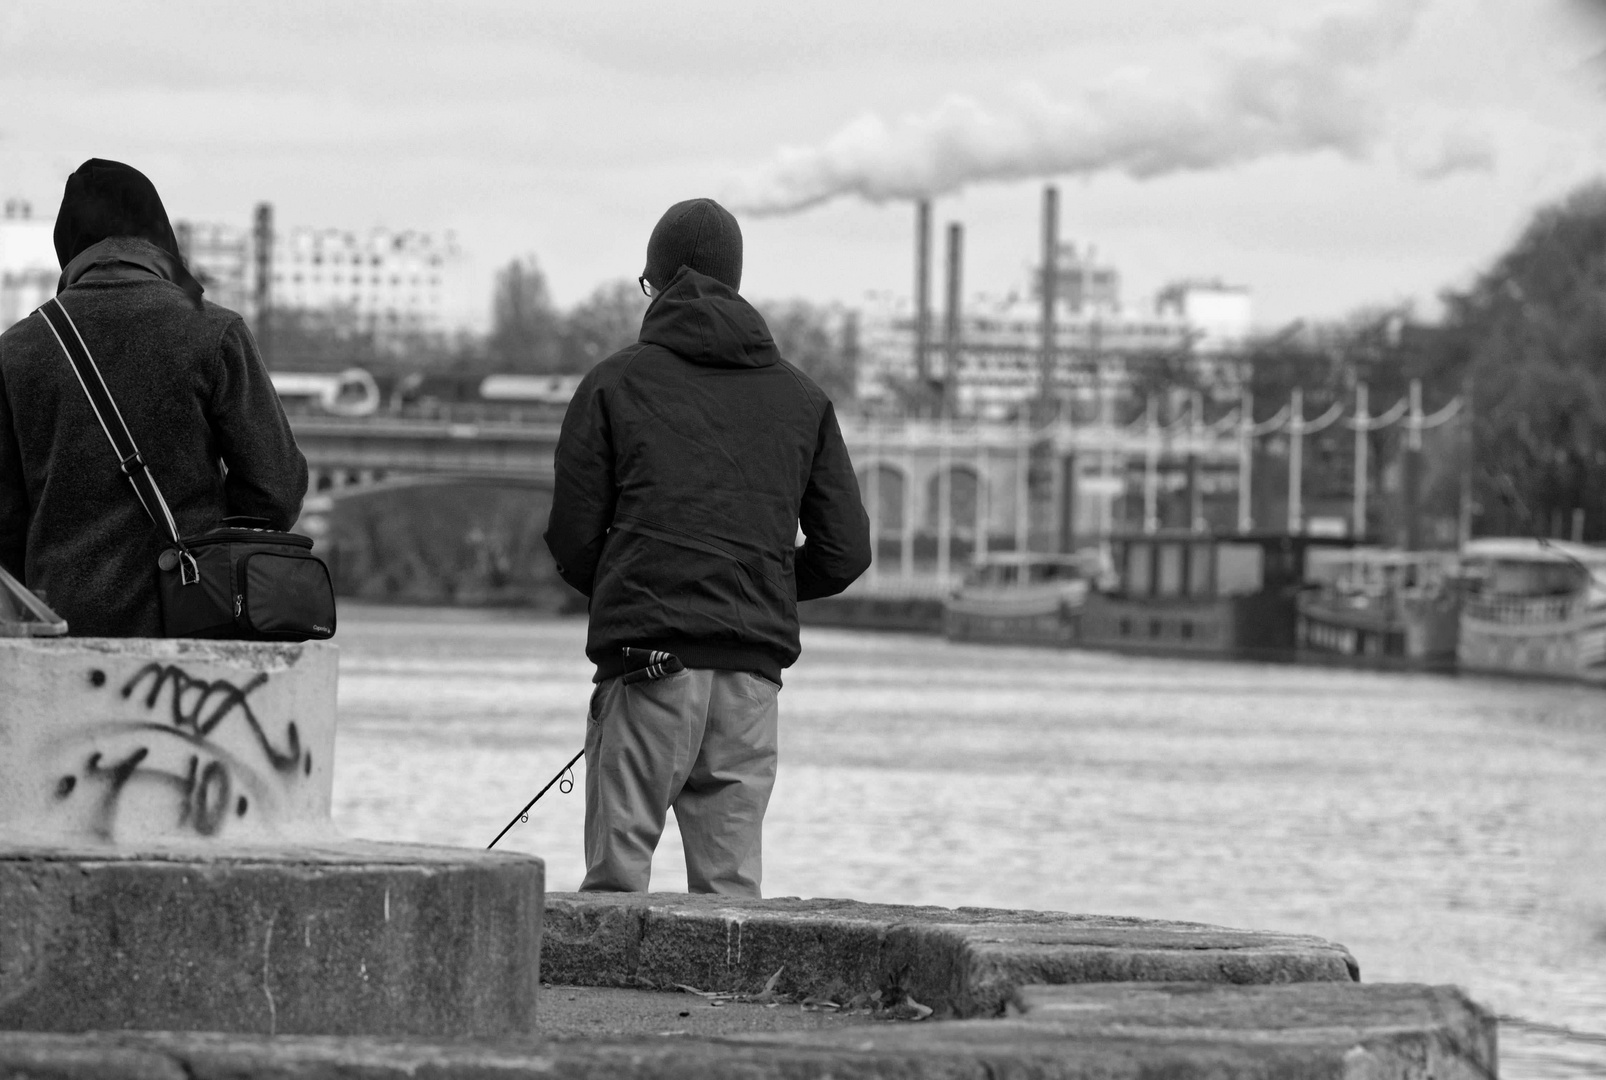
<point>1021,598</point>
<point>1384,608</point>
<point>1534,607</point>
<point>1199,594</point>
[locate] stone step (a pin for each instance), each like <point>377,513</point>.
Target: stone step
<point>962,963</point>
<point>1107,1032</point>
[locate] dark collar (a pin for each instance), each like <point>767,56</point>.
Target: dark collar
<point>125,258</point>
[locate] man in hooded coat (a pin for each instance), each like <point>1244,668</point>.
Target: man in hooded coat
<point>188,380</point>
<point>685,465</point>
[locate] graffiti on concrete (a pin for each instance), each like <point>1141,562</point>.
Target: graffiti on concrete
<point>203,775</point>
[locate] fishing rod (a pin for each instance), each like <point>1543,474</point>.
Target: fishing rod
<point>566,786</point>
<point>640,665</point>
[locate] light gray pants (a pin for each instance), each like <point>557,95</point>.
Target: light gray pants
<point>702,741</point>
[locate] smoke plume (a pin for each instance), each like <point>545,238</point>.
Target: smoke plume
<point>1300,93</point>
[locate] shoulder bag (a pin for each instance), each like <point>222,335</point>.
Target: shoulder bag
<point>236,581</point>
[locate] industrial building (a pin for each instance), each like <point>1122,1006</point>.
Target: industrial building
<point>1068,340</point>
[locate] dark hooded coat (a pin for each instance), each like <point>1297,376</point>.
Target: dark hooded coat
<point>188,381</point>
<point>686,463</point>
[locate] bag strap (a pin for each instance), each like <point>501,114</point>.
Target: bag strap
<point>116,428</point>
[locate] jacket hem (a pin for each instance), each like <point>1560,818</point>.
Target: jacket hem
<point>698,654</point>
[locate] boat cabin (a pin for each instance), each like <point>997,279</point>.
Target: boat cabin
<point>1012,569</point>
<point>1362,574</point>
<point>1199,593</point>
<point>1158,565</point>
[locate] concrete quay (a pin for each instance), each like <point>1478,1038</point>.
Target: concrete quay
<point>174,902</point>
<point>961,963</point>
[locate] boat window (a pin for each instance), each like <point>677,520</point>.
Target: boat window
<point>1240,569</point>
<point>1201,560</point>
<point>1140,569</point>
<point>1512,578</point>
<point>1169,578</point>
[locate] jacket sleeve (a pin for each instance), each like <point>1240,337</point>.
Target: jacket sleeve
<point>267,475</point>
<point>584,490</point>
<point>14,514</point>
<point>836,530</point>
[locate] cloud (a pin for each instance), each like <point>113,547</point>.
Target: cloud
<point>1298,93</point>
<point>1456,150</point>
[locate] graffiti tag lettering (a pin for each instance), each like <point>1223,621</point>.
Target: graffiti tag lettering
<point>205,785</point>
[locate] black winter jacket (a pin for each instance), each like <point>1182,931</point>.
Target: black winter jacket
<point>685,465</point>
<point>194,393</point>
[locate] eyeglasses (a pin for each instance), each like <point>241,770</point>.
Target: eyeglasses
<point>647,288</point>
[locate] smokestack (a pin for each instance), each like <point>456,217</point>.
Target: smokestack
<point>951,335</point>
<point>1050,286</point>
<point>922,287</point>
<point>263,237</point>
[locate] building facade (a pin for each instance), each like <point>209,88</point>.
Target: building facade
<point>28,266</point>
<point>392,282</point>
<point>220,258</point>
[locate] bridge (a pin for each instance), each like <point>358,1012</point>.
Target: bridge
<point>350,452</point>
<point>938,493</point>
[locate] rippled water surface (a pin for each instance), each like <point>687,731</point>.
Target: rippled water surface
<point>1444,829</point>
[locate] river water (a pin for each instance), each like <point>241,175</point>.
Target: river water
<point>1445,829</point>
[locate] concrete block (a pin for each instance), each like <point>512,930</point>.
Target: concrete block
<point>1362,1031</point>
<point>344,937</point>
<point>965,962</point>
<point>127,741</point>
<point>1108,1032</point>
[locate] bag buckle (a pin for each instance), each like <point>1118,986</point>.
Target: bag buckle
<point>130,463</point>
<point>188,572</point>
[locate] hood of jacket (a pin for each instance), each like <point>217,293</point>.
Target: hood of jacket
<point>104,200</point>
<point>706,322</point>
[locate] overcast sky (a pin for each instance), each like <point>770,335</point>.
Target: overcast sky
<point>1327,157</point>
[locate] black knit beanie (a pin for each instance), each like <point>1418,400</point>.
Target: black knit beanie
<point>698,233</point>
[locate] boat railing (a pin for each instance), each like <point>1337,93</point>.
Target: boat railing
<point>897,587</point>
<point>1522,610</point>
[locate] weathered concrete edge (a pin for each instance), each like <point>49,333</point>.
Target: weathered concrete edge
<point>963,963</point>
<point>1439,1021</point>
<point>295,849</point>
<point>351,938</point>
<point>1442,1037</point>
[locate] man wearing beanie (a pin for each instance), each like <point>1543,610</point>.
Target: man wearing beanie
<point>686,464</point>
<point>187,379</point>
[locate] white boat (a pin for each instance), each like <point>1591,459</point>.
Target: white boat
<point>1534,607</point>
<point>1381,607</point>
<point>1025,598</point>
